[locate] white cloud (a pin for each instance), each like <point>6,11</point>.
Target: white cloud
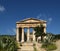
<point>46,17</point>
<point>2,8</point>
<point>49,20</point>
<point>38,17</point>
<point>42,16</point>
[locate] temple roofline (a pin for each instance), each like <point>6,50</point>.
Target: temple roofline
<point>30,19</point>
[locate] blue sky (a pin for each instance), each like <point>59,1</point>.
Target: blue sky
<point>12,11</point>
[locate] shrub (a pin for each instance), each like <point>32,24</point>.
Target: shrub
<point>49,47</point>
<point>18,45</point>
<point>35,49</point>
<point>8,44</point>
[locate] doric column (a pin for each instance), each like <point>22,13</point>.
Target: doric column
<point>17,34</point>
<point>44,29</point>
<point>22,39</point>
<point>28,32</point>
<point>34,35</point>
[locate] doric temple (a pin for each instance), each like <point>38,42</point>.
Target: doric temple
<point>28,23</point>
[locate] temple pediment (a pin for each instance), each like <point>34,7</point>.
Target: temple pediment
<point>30,20</point>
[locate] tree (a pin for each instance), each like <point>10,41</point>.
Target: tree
<point>39,31</point>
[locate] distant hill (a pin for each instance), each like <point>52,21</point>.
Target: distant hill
<point>9,36</point>
<point>57,36</point>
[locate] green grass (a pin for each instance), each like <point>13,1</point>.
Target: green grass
<point>49,47</point>
<point>35,48</point>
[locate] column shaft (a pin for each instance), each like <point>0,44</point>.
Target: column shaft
<point>17,34</point>
<point>22,40</point>
<point>33,35</point>
<point>28,32</point>
<point>44,29</point>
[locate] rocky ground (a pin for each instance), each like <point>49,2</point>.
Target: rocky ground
<point>29,47</point>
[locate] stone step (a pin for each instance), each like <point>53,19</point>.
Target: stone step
<point>26,50</point>
<point>27,47</point>
<point>27,44</point>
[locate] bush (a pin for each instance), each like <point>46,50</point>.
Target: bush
<point>43,46</point>
<point>18,45</point>
<point>35,49</point>
<point>49,47</point>
<point>8,44</point>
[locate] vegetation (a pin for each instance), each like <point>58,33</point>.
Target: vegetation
<point>48,43</point>
<point>57,36</point>
<point>8,43</point>
<point>39,31</point>
<point>34,47</point>
<point>49,47</point>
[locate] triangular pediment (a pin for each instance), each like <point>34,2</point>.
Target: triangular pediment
<point>30,20</point>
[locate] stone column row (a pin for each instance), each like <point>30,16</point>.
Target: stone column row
<point>17,35</point>
<point>22,39</point>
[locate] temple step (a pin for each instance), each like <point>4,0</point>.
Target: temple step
<point>27,44</point>
<point>27,47</point>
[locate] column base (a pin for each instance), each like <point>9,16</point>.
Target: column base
<point>22,41</point>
